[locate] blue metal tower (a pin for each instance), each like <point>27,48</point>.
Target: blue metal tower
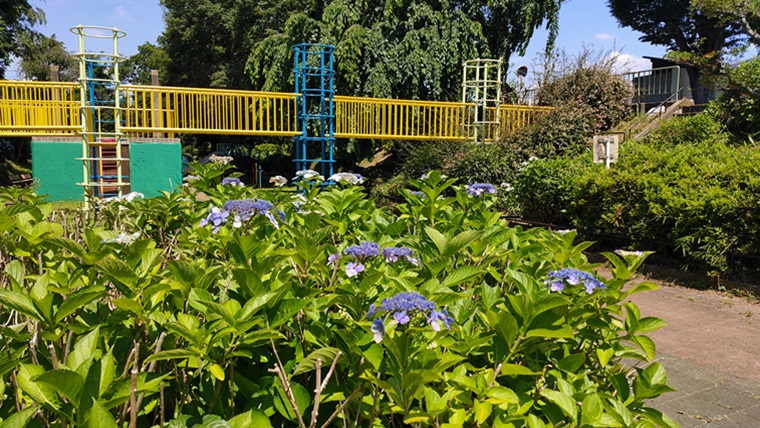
<point>314,73</point>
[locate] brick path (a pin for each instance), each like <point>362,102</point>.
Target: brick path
<point>711,351</point>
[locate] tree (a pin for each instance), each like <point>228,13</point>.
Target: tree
<point>136,70</point>
<point>207,42</point>
<point>676,25</point>
<point>404,49</point>
<point>38,52</point>
<point>17,18</point>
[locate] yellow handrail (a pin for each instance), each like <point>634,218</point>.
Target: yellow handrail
<point>207,111</point>
<point>38,108</point>
<point>381,118</point>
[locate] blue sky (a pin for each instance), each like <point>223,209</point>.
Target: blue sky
<point>581,22</point>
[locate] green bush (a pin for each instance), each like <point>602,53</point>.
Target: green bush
<point>701,199</point>
<point>420,157</point>
<point>174,312</point>
<point>699,128</point>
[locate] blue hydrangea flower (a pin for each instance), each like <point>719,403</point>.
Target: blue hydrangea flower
<point>403,307</point>
<point>354,268</point>
<point>245,209</point>
<point>363,251</point>
<point>394,253</point>
<point>333,259</point>
<point>570,276</point>
<point>378,330</point>
<point>232,181</point>
<point>216,218</point>
<point>477,189</point>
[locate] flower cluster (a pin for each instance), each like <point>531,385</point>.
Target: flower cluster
<point>307,175</point>
<point>369,250</point>
<point>563,231</point>
<point>220,160</point>
<point>347,177</point>
<point>244,210</point>
<point>232,181</point>
<point>392,255</point>
<point>405,306</point>
<point>477,189</point>
<point>215,218</point>
<point>278,180</point>
<point>129,197</point>
<point>558,279</point>
<point>123,238</point>
<point>506,186</point>
<point>190,178</point>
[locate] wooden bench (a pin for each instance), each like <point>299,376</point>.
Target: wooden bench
<point>21,179</point>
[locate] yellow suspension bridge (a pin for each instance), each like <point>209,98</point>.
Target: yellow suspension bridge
<point>30,108</point>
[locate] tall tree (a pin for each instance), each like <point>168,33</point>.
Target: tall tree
<point>17,18</point>
<point>136,70</point>
<point>208,41</point>
<point>408,48</point>
<point>38,52</point>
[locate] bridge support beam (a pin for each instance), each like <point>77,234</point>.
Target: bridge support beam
<point>315,117</point>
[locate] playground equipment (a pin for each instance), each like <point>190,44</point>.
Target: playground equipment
<point>113,121</point>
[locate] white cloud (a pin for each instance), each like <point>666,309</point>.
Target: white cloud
<point>121,14</point>
<point>627,62</point>
<point>605,37</point>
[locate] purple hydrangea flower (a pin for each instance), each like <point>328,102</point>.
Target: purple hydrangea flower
<point>232,181</point>
<point>333,259</point>
<point>354,268</point>
<point>477,189</point>
<point>245,209</point>
<point>570,276</point>
<point>378,330</point>
<point>394,253</point>
<point>403,307</point>
<point>216,218</point>
<point>363,251</point>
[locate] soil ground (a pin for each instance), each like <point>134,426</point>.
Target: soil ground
<point>711,351</point>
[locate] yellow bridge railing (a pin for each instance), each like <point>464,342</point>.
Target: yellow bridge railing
<point>52,108</point>
<point>207,111</point>
<point>39,108</point>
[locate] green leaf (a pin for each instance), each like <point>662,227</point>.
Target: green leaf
<point>68,383</point>
<point>564,332</point>
<point>374,354</point>
<point>19,419</point>
<point>646,344</point>
<point>21,303</point>
<point>252,418</point>
<point>502,395</point>
<point>282,404</point>
<point>40,392</point>
<point>461,275</point>
<point>77,300</point>
<point>172,354</point>
<point>437,237</point>
<point>84,349</point>
<point>217,371</point>
<point>565,402</point>
<point>182,271</point>
<point>100,417</point>
<point>129,305</point>
<point>460,241</point>
<point>482,411</point>
<point>604,355</point>
<point>120,273</point>
<point>327,355</point>
<point>648,324</point>
<point>655,375</point>
<point>15,272</point>
<point>591,410</point>
<point>286,310</point>
<point>572,362</point>
<point>514,369</point>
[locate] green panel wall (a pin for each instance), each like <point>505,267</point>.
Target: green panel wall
<point>155,165</point>
<point>56,168</point>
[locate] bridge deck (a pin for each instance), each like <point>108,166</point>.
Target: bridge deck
<point>53,108</point>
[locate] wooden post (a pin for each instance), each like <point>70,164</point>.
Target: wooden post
<point>57,113</point>
<point>157,121</point>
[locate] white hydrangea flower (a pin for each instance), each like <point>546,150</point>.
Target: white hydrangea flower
<point>629,253</point>
<point>220,160</point>
<point>564,231</point>
<point>506,186</point>
<point>347,177</point>
<point>278,180</point>
<point>190,178</point>
<point>308,174</point>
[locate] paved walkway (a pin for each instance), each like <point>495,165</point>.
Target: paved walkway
<point>711,351</point>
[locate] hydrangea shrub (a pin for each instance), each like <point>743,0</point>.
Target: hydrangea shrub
<point>336,312</point>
